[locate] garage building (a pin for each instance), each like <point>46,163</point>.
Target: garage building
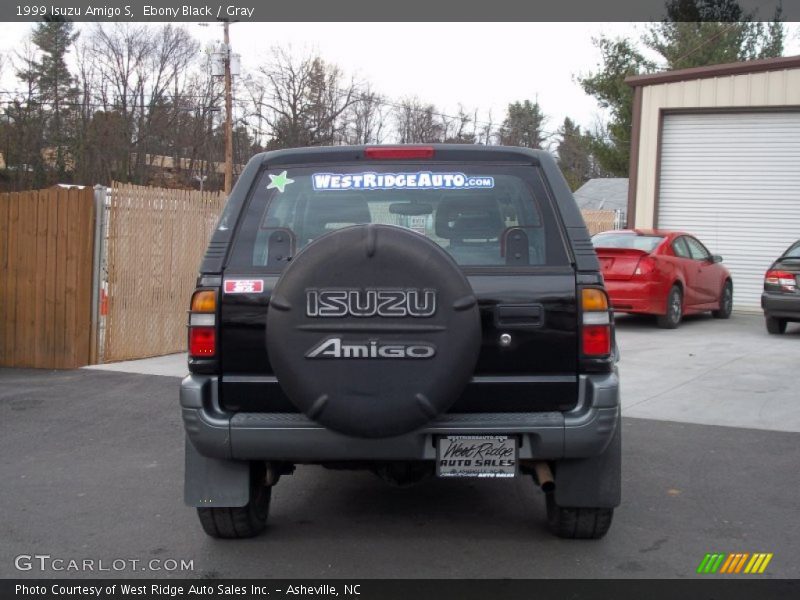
<point>715,151</point>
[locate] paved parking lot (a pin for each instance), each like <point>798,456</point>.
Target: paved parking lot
<point>91,464</point>
<point>710,372</point>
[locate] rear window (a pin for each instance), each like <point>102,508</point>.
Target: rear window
<point>647,243</point>
<point>793,252</point>
<point>470,211</point>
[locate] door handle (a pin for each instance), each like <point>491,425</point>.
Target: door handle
<point>518,316</point>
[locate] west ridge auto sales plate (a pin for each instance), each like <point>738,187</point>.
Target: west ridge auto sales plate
<point>476,456</point>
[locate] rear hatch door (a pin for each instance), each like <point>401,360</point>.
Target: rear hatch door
<point>497,221</point>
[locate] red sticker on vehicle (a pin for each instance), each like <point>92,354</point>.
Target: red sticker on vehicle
<point>244,286</point>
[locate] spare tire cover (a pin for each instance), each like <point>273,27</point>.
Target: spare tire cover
<point>373,330</point>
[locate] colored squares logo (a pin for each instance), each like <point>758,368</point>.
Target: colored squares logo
<point>735,563</point>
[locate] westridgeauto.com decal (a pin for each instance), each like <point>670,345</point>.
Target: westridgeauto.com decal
<point>421,180</point>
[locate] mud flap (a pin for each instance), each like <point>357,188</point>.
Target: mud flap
<point>592,482</point>
<point>210,482</point>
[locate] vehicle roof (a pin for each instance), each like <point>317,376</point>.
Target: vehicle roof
<point>453,152</point>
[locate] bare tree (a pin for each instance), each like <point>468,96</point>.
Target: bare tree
<point>138,68</point>
<point>365,120</point>
<point>90,164</point>
<point>139,90</point>
<point>418,122</point>
<point>27,120</point>
<point>171,51</point>
<point>329,97</point>
<point>460,128</point>
<point>304,100</point>
<point>487,132</point>
<point>120,51</point>
<point>256,91</point>
<point>204,95</point>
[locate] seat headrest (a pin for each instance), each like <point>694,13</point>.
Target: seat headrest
<point>332,209</point>
<point>475,217</point>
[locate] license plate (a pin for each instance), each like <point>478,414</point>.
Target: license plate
<point>476,456</point>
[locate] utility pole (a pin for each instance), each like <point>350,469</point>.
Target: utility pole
<point>228,114</point>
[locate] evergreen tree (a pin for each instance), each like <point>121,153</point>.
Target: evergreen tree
<point>694,33</point>
<point>523,125</point>
<point>621,59</point>
<point>707,32</point>
<point>575,155</point>
<point>54,81</point>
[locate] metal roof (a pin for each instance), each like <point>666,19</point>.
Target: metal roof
<point>738,68</point>
<point>606,193</point>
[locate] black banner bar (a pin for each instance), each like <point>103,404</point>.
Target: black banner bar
<point>362,10</point>
<point>734,588</point>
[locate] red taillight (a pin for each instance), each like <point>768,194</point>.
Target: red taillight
<point>398,152</point>
<point>202,341</point>
<point>202,324</point>
<point>646,266</point>
<point>596,326</point>
<point>596,340</point>
<point>783,279</point>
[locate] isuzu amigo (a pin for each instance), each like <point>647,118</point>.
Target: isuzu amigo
<point>411,310</point>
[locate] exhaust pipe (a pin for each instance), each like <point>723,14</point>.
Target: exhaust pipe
<point>544,476</point>
<point>274,470</point>
<point>272,474</point>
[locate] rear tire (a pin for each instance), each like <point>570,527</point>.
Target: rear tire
<point>578,523</point>
<point>776,326</point>
<point>239,522</point>
<point>725,302</point>
<point>672,319</point>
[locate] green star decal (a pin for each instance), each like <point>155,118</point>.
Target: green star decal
<point>279,182</point>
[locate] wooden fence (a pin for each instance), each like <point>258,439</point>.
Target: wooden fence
<point>599,220</point>
<point>156,239</point>
<point>46,252</point>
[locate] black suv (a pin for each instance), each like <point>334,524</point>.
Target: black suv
<point>412,310</point>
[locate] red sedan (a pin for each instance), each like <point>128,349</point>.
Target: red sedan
<point>663,273</point>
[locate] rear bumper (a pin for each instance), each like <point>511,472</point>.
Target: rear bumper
<point>582,432</point>
<point>636,296</point>
<point>782,306</point>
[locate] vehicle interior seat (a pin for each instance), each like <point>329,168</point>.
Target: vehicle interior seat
<point>473,225</point>
<point>334,209</point>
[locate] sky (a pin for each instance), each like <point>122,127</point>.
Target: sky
<point>483,66</point>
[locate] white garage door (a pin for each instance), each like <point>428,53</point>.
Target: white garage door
<point>733,180</point>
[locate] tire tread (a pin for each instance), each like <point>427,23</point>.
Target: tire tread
<point>664,321</point>
<point>589,523</point>
<point>775,325</point>
<point>239,522</point>
<point>722,313</point>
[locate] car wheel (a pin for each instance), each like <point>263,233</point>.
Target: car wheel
<point>578,523</point>
<point>725,302</point>
<point>674,309</point>
<point>239,522</point>
<point>776,326</point>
